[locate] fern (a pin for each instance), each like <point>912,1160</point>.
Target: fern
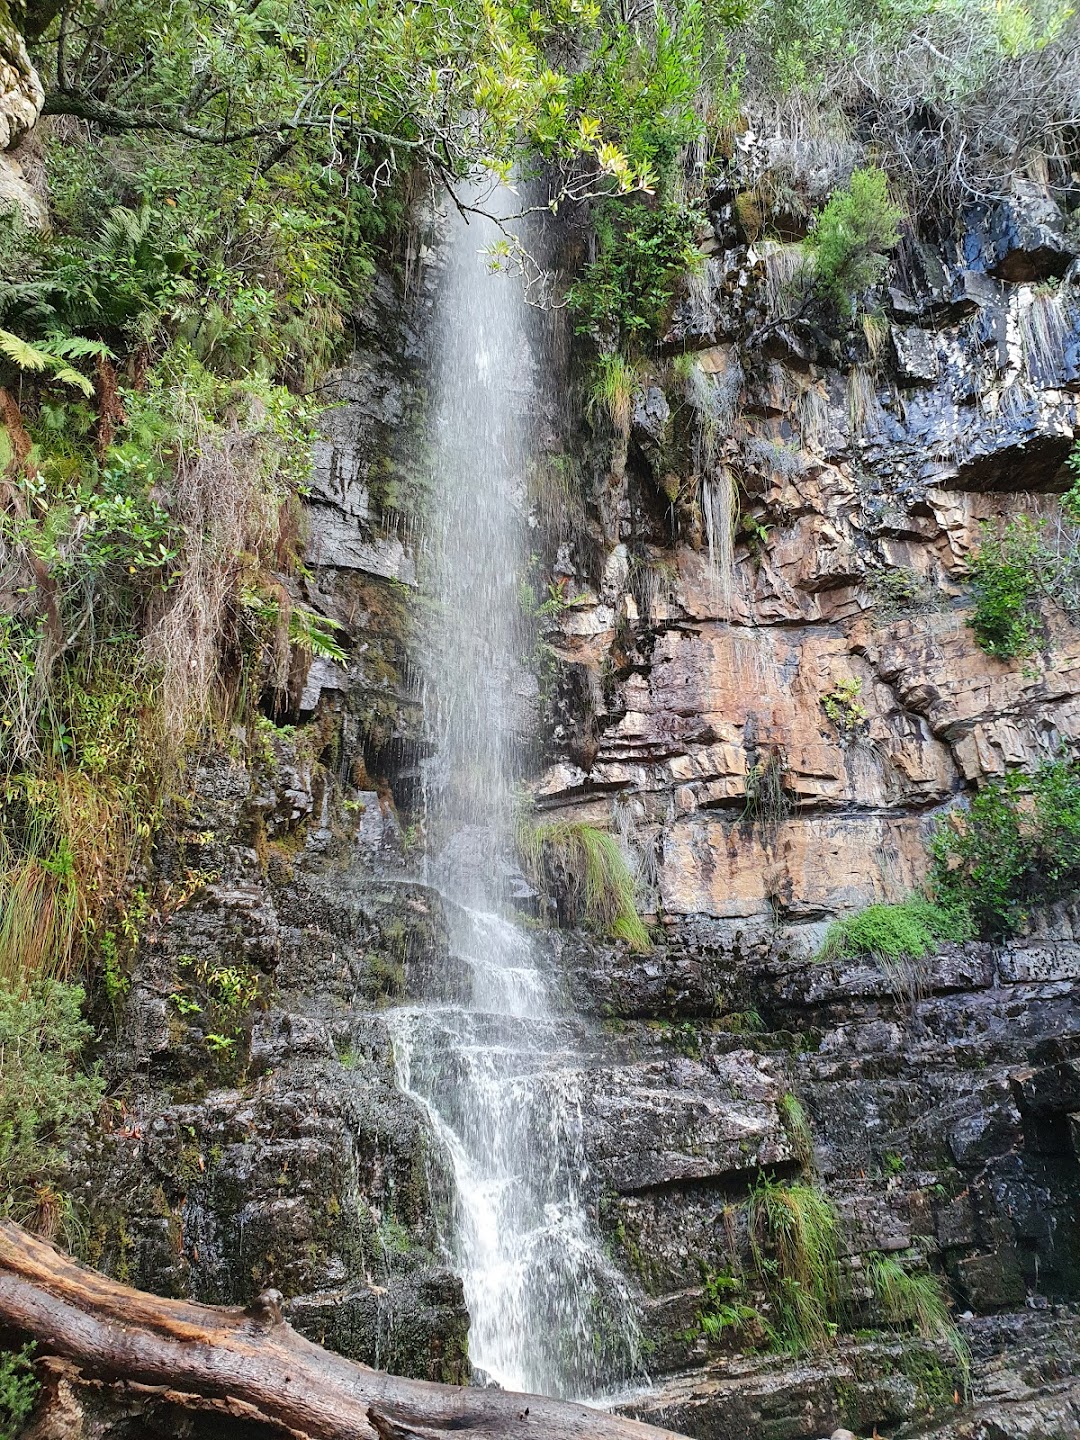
<point>51,355</point>
<point>314,634</point>
<point>23,355</point>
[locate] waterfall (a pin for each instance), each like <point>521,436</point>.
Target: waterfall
<point>488,1051</point>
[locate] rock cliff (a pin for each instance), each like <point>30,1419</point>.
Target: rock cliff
<point>258,1136</point>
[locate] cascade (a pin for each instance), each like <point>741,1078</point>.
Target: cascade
<point>490,1054</point>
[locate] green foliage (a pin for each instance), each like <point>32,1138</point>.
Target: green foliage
<point>844,708</point>
<point>51,356</point>
<point>1070,501</point>
<point>852,237</point>
<point>46,1097</point>
<point>585,871</point>
<point>18,1390</point>
<point>614,381</point>
<point>768,799</point>
<point>643,250</point>
<point>722,1307</point>
<point>793,1243</point>
<point>1017,846</point>
<point>1004,583</point>
<point>797,1125</point>
<point>913,928</point>
<point>981,71</point>
<point>917,1300</point>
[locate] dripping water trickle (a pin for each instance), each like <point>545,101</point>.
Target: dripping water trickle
<point>489,1053</point>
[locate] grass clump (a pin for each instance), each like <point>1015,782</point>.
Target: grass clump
<point>795,1121</point>
<point>583,869</point>
<point>793,1244</point>
<point>46,1097</point>
<point>768,799</point>
<point>918,1301</point>
<point>614,381</point>
<point>913,928</point>
<point>1017,846</point>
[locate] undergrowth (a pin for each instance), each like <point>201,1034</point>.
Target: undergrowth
<point>46,1097</point>
<point>18,1390</point>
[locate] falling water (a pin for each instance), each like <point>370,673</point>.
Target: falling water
<point>486,1051</point>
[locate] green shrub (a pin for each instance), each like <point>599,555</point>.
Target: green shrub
<point>914,928</point>
<point>46,1097</point>
<point>18,1390</point>
<point>793,1243</point>
<point>584,870</point>
<point>852,236</point>
<point>1015,847</point>
<point>643,251</point>
<point>1005,585</point>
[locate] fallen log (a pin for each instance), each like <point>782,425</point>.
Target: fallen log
<point>250,1365</point>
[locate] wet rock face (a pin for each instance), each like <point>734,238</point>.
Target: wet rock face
<point>843,466</point>
<point>258,1138</point>
<point>938,1099</point>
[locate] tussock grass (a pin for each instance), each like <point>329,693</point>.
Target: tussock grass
<point>919,1301</point>
<point>584,869</point>
<point>612,388</point>
<point>793,1244</point>
<point>797,1125</point>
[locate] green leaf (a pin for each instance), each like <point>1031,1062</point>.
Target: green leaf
<point>67,376</point>
<point>23,355</point>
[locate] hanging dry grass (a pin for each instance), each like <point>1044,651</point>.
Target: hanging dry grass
<point>227,510</point>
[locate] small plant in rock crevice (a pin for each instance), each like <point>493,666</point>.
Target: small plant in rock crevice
<point>768,798</point>
<point>901,593</point>
<point>723,1307</point>
<point>844,708</point>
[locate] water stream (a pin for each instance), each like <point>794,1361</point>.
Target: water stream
<point>498,1067</point>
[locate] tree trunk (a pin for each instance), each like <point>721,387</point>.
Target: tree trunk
<point>250,1366</point>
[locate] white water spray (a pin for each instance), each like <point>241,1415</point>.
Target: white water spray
<point>498,1069</point>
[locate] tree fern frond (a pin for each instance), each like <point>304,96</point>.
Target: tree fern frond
<point>22,354</point>
<point>67,376</point>
<point>75,347</point>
